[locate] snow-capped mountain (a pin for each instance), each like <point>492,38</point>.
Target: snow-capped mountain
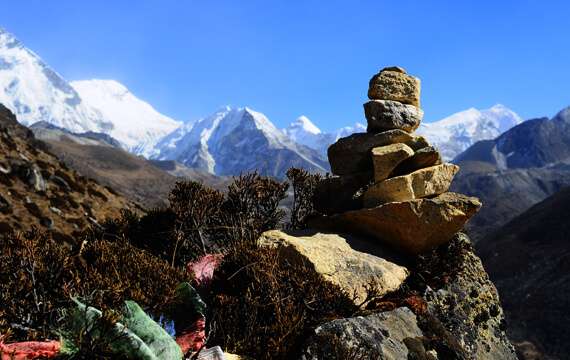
<point>234,141</point>
<point>136,124</point>
<point>456,133</point>
<point>34,92</point>
<point>304,132</point>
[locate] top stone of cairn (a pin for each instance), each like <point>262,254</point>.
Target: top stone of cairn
<point>393,83</point>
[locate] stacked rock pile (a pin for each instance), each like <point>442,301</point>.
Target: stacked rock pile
<point>388,183</point>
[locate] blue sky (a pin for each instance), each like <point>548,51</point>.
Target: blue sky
<point>287,58</point>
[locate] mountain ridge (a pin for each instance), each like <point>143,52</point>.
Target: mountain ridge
<point>214,144</point>
<point>532,158</point>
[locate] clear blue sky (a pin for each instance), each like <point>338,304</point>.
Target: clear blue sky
<point>287,58</point>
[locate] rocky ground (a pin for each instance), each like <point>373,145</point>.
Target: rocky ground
<point>39,190</point>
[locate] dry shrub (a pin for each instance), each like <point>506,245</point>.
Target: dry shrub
<point>304,185</point>
<point>197,209</point>
<point>32,279</point>
<point>38,276</point>
<point>265,307</point>
<point>111,273</point>
<point>202,220</point>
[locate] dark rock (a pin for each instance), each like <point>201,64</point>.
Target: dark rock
<point>5,206</point>
<point>5,227</point>
<point>47,222</point>
<point>422,158</point>
<point>59,181</point>
<point>377,336</point>
<point>338,194</point>
<point>466,317</point>
<point>383,115</point>
<point>33,209</point>
<point>351,154</point>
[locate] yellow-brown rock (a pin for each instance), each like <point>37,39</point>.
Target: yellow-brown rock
<point>430,181</point>
<point>414,226</point>
<point>351,154</point>
<point>395,85</point>
<point>333,258</point>
<point>386,158</point>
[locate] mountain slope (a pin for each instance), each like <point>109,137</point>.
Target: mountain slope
<point>534,143</point>
<point>521,167</point>
<point>37,189</point>
<point>136,124</point>
<point>140,180</point>
<point>529,261</point>
<point>236,140</point>
<point>457,132</point>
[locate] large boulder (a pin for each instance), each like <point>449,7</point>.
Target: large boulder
<point>386,158</point>
<point>385,115</point>
<point>333,258</point>
<point>422,158</point>
<point>351,154</point>
<point>467,303</point>
<point>378,336</point>
<point>413,226</point>
<point>422,183</point>
<point>336,194</point>
<point>396,86</point>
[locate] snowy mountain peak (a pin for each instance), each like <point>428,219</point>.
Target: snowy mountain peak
<point>236,140</point>
<point>135,123</point>
<point>455,133</point>
<point>35,92</point>
<point>303,123</point>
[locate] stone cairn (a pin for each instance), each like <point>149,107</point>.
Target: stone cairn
<point>388,183</point>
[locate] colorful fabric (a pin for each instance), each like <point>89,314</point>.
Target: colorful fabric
<point>203,268</point>
<point>139,337</point>
<point>194,338</point>
<point>30,350</point>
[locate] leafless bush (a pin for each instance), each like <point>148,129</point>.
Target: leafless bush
<point>304,185</point>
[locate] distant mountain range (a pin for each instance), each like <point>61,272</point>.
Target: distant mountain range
<point>456,133</point>
<point>236,140</point>
<point>229,142</point>
<point>516,170</point>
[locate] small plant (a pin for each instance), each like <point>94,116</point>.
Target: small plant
<point>304,185</point>
<point>39,276</point>
<point>202,220</point>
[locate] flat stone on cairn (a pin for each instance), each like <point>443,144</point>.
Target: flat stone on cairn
<point>385,115</point>
<point>386,158</point>
<point>413,227</point>
<point>426,182</point>
<point>387,183</point>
